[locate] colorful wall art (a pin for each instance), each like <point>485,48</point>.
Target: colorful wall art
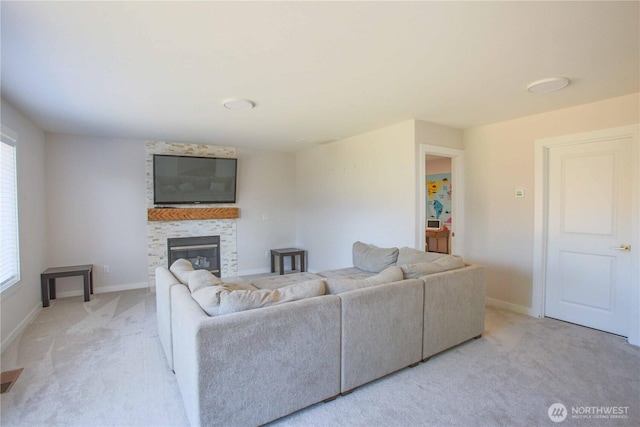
<point>439,188</point>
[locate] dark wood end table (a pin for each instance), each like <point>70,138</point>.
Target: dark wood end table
<point>290,252</point>
<point>49,276</point>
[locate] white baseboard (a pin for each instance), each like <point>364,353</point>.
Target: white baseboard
<point>104,289</point>
<point>527,311</point>
<point>21,326</point>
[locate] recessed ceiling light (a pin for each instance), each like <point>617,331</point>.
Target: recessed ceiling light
<point>238,104</point>
<point>548,85</point>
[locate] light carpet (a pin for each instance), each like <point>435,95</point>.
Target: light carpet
<point>100,363</point>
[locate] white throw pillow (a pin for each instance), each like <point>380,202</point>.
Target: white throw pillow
<point>240,300</point>
<point>338,286</point>
<point>445,263</point>
<point>181,268</point>
<point>202,278</point>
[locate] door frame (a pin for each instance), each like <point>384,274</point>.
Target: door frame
<point>540,230</point>
<point>457,201</point>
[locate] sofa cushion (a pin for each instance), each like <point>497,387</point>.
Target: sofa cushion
<point>338,286</point>
<point>240,300</point>
<point>371,258</point>
<point>209,297</point>
<point>346,273</point>
<point>445,263</point>
<point>414,256</point>
<point>181,268</point>
<point>279,281</point>
<point>202,278</point>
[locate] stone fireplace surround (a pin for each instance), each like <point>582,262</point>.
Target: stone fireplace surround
<point>159,231</point>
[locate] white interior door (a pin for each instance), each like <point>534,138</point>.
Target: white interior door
<point>588,266</point>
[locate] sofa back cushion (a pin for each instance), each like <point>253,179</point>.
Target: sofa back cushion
<point>445,263</point>
<point>414,256</point>
<point>208,297</point>
<point>202,278</point>
<point>240,300</point>
<point>181,268</point>
<point>338,286</point>
<point>371,258</point>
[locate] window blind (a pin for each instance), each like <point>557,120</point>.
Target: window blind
<point>9,251</point>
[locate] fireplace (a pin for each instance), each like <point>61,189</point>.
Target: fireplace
<point>203,252</point>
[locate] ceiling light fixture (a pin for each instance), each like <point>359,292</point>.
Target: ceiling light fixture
<point>237,104</point>
<point>548,85</point>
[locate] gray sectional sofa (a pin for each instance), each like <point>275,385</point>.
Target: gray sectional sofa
<point>290,341</point>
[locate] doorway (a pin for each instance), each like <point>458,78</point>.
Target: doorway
<point>586,258</point>
<point>439,209</point>
<point>450,209</point>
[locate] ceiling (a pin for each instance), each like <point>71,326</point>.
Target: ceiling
<point>316,71</point>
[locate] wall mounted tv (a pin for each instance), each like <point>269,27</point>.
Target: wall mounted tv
<point>184,179</point>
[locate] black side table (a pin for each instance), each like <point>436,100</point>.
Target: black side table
<point>48,280</point>
<point>291,252</point>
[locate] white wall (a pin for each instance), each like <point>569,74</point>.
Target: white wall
<point>434,134</point>
<point>22,302</point>
<point>96,198</point>
<point>266,189</point>
<point>500,158</point>
<point>360,188</point>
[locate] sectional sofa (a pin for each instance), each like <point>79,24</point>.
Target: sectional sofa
<point>249,353</point>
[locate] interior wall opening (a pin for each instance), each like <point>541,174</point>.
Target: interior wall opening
<point>438,203</point>
<point>440,206</point>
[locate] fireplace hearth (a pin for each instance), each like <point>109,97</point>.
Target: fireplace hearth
<point>203,252</point>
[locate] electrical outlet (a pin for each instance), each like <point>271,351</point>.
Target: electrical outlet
<point>106,269</point>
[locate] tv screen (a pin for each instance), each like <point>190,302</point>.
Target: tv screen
<point>183,179</point>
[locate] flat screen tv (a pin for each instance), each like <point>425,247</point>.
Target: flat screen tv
<point>193,180</point>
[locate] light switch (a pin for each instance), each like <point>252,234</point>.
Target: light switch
<point>519,192</point>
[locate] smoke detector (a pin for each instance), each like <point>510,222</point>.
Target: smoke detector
<point>548,85</point>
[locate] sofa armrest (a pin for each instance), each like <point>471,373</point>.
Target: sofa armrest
<point>454,304</point>
<point>381,331</point>
<point>164,281</point>
<point>251,367</point>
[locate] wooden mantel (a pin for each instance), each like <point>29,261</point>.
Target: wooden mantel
<point>186,214</point>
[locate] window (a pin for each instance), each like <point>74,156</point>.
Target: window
<point>9,251</point>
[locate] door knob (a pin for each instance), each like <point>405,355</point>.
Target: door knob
<point>623,248</point>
